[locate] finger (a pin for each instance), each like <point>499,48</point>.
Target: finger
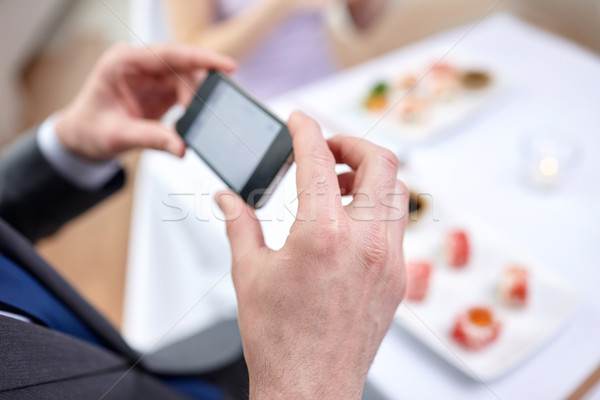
<point>375,167</point>
<point>199,76</point>
<point>178,58</point>
<point>397,205</point>
<point>188,85</point>
<point>316,180</point>
<point>149,134</point>
<point>396,226</point>
<point>243,229</point>
<point>346,182</point>
<point>186,88</point>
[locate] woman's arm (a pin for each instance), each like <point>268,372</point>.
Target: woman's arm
<point>365,12</point>
<point>193,22</point>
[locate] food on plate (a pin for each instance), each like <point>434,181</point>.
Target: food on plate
<point>416,95</point>
<point>476,328</point>
<point>408,81</point>
<point>475,79</point>
<point>514,286</point>
<point>445,89</point>
<point>416,204</point>
<point>445,83</point>
<point>443,70</point>
<point>413,109</point>
<point>376,103</point>
<point>377,99</point>
<point>457,248</point>
<point>418,274</point>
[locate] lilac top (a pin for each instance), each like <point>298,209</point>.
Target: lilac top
<point>295,53</point>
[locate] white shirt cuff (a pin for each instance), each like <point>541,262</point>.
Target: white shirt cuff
<point>14,316</point>
<point>85,174</point>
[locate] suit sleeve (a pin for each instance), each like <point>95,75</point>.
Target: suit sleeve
<point>34,198</point>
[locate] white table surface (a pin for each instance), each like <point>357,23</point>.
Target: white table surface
<point>179,259</point>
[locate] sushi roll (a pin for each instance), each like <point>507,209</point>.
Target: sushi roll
<point>445,89</point>
<point>418,274</point>
<point>457,248</point>
<point>407,82</point>
<point>377,100</point>
<point>413,109</point>
<point>474,80</point>
<point>476,328</point>
<point>443,70</point>
<point>514,286</point>
<point>445,81</point>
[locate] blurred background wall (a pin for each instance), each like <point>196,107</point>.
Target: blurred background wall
<point>47,48</point>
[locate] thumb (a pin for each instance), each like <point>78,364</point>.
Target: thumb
<point>153,135</point>
<point>243,228</point>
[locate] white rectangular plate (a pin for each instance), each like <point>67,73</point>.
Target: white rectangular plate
<point>337,102</point>
<point>451,291</point>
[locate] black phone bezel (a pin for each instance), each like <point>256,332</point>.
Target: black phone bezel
<point>276,157</point>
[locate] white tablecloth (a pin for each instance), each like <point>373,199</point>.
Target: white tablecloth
<point>179,257</point>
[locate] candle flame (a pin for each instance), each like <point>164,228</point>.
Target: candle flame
<point>549,166</point>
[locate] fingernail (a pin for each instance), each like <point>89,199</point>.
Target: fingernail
<point>225,200</point>
<point>299,113</point>
<point>176,148</point>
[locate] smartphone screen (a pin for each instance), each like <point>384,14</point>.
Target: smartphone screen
<point>245,133</point>
<point>243,143</point>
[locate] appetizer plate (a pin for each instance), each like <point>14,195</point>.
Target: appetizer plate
<point>550,305</point>
<point>339,102</point>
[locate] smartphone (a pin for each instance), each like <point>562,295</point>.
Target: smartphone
<point>247,146</point>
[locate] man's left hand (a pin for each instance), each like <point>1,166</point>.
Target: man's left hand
<point>130,88</point>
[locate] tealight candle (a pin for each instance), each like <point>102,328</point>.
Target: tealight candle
<point>546,155</point>
<point>546,173</point>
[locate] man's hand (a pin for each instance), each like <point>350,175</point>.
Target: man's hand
<point>125,95</point>
<point>312,315</point>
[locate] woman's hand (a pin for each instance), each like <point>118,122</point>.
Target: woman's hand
<point>128,91</point>
<point>305,5</point>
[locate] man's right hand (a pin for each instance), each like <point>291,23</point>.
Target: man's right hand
<point>313,314</point>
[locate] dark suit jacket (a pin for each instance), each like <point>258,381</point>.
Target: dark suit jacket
<point>36,362</point>
<point>39,363</point>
